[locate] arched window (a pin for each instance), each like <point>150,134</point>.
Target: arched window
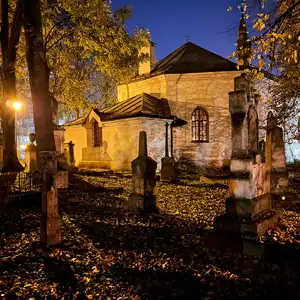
<point>199,125</point>
<point>97,135</point>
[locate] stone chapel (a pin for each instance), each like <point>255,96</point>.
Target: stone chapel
<point>181,102</point>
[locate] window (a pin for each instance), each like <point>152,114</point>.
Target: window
<point>199,125</point>
<point>97,135</point>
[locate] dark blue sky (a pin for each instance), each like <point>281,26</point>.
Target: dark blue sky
<point>205,22</point>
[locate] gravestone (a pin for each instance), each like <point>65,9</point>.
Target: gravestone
<point>31,155</point>
<point>50,220</point>
<point>275,151</point>
<point>69,153</point>
<point>168,171</point>
<point>249,212</point>
<point>143,199</point>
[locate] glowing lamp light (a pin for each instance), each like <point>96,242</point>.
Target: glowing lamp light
<point>17,105</point>
<point>283,198</point>
<point>23,147</point>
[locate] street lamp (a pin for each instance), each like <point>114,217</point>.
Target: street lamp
<point>17,105</point>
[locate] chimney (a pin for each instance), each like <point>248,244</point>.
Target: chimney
<point>147,66</point>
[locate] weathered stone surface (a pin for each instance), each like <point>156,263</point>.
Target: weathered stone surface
<point>50,221</point>
<point>61,180</point>
<point>143,198</point>
<point>248,207</point>
<point>249,226</point>
<point>241,165</point>
<point>249,211</point>
<point>238,102</point>
<point>168,171</point>
<point>241,83</point>
<point>253,129</point>
<point>275,159</point>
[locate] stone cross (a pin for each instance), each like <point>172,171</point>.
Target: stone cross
<point>142,198</point>
<point>50,221</point>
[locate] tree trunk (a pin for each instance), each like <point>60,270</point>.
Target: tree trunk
<point>9,51</point>
<point>38,75</point>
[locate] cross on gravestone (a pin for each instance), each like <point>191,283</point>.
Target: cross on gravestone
<point>142,199</point>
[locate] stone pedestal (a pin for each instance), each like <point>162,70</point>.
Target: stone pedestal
<point>168,171</point>
<point>31,155</point>
<point>249,212</point>
<point>50,222</point>
<point>30,158</point>
<point>142,199</point>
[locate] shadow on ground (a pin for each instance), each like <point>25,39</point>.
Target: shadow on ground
<point>105,221</point>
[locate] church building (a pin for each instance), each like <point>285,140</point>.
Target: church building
<point>181,102</point>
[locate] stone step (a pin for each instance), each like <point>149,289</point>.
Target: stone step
<point>251,226</point>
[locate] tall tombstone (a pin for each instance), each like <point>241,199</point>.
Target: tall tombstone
<point>69,153</point>
<point>249,212</point>
<point>31,155</point>
<point>168,171</point>
<point>143,199</point>
<point>50,220</point>
<point>275,157</point>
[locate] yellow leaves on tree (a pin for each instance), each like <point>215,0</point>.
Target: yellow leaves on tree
<point>259,24</point>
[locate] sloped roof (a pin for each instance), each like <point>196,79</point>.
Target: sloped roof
<point>137,106</point>
<point>191,58</point>
<point>140,105</point>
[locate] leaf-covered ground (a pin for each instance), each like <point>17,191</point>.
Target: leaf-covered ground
<point>109,253</point>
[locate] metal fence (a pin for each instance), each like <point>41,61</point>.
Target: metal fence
<point>25,182</point>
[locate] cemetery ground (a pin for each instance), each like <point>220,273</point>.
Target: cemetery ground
<point>107,252</point>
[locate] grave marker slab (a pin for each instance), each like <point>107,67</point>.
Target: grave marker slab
<point>142,198</point>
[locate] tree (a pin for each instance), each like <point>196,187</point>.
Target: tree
<point>10,34</point>
<point>88,50</point>
<point>276,48</point>
<point>38,75</point>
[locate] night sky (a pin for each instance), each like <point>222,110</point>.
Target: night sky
<point>171,22</point>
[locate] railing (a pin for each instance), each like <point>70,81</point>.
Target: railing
<point>25,182</point>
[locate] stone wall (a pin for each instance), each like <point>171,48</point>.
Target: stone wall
<point>155,86</point>
<point>210,91</point>
<point>120,143</point>
<point>76,134</point>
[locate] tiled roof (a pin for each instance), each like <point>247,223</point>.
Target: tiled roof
<point>76,122</point>
<point>140,105</point>
<point>190,58</point>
